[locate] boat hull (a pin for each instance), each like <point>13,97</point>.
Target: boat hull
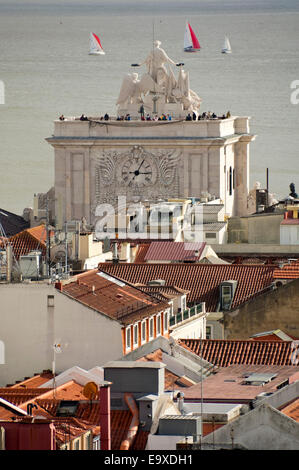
<point>226,52</point>
<point>96,53</point>
<point>191,49</point>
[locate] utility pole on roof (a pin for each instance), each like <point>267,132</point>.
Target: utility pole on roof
<point>47,238</point>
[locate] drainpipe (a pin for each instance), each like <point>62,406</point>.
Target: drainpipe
<point>126,443</point>
<point>105,417</point>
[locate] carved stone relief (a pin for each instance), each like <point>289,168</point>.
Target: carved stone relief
<point>136,173</point>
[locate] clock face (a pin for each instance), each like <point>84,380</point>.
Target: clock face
<point>138,172</point>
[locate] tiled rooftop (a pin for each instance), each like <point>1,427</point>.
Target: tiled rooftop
<point>141,252</point>
<point>166,291</point>
<point>202,280</point>
<point>111,297</point>
<point>292,410</point>
<point>87,415</point>
<point>274,335</point>
<point>288,271</point>
<point>227,385</point>
<point>33,382</point>
<point>18,396</point>
<point>224,353</point>
<point>31,239</point>
<point>174,251</point>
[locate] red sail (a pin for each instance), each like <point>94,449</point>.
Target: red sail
<point>98,40</point>
<point>196,44</point>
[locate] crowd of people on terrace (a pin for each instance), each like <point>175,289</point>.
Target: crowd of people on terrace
<point>204,116</point>
<point>163,117</point>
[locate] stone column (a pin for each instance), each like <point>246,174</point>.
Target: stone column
<point>242,174</point>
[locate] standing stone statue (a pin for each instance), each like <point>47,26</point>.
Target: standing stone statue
<point>293,191</point>
<point>156,60</point>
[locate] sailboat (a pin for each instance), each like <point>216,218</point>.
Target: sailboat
<point>95,46</point>
<point>226,49</point>
<point>191,43</point>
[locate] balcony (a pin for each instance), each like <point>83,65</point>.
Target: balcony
<point>187,314</point>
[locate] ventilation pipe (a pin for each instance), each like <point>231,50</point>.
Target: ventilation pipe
<point>29,408</point>
<point>180,401</point>
<point>8,262</point>
<point>126,443</point>
<point>114,253</point>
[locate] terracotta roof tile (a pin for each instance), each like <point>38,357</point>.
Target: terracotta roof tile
<point>118,300</point>
<point>34,382</point>
<point>174,251</point>
<point>202,280</point>
<point>292,410</point>
<point>141,252</point>
<point>31,239</point>
<point>17,396</point>
<point>140,440</point>
<point>120,422</point>
<point>288,271</point>
<point>224,353</point>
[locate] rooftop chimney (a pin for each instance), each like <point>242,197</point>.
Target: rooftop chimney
<point>105,419</point>
<point>180,401</point>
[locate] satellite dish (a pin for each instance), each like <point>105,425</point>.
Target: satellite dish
<point>90,390</point>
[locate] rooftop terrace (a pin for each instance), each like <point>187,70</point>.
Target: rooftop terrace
<point>98,128</point>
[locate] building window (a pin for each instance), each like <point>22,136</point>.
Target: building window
<point>210,235</point>
<point>165,321</point>
<point>143,332</point>
<point>151,328</point>
<point>128,337</point>
<point>183,303</point>
<point>226,296</point>
<point>87,443</point>
<point>158,324</point>
<point>135,335</point>
<point>230,181</point>
<point>96,445</point>
<point>208,332</point>
<point>76,444</point>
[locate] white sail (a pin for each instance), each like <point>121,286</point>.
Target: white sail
<point>226,49</point>
<point>95,46</point>
<point>187,38</point>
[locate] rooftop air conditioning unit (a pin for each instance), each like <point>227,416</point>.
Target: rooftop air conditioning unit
<point>30,265</point>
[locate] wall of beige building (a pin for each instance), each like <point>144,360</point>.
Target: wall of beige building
<point>277,309</point>
<point>260,229</point>
<point>29,329</point>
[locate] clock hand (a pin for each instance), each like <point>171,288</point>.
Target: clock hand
<point>141,165</point>
<point>145,172</point>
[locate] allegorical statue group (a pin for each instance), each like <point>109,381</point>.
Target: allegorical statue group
<point>158,84</point>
